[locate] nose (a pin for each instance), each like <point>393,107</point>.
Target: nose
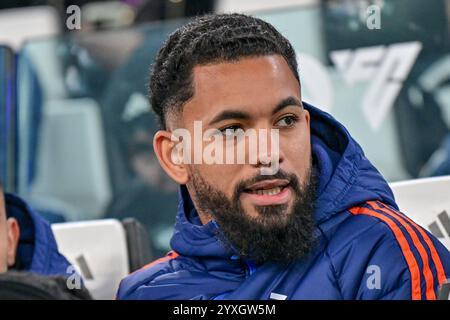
<point>269,156</point>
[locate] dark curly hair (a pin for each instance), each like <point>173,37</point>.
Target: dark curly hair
<point>209,39</point>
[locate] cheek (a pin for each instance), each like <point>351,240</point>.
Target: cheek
<point>297,155</point>
<point>221,176</point>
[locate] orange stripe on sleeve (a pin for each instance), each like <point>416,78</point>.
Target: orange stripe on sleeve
<point>171,255</point>
<point>434,255</point>
<point>404,246</point>
<point>427,274</point>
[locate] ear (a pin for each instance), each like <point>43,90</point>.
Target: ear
<point>169,158</point>
<point>13,240</point>
<point>307,117</point>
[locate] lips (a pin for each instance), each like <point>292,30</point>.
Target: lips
<point>268,192</point>
<point>268,187</point>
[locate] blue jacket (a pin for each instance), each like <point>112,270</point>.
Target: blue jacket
<point>366,248</point>
<point>37,251</point>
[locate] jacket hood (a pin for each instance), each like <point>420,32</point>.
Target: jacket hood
<point>37,251</point>
<point>345,178</point>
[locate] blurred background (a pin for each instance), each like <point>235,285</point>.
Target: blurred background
<point>76,126</point>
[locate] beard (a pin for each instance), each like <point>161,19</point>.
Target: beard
<point>276,234</point>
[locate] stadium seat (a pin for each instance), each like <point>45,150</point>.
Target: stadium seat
<point>71,137</point>
<point>444,291</point>
<point>19,25</point>
<point>139,252</point>
<point>427,202</point>
<point>103,251</point>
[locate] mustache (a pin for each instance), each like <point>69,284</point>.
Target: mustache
<point>243,184</point>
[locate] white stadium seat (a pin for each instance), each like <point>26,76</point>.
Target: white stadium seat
<point>98,250</point>
<point>427,202</point>
<point>71,137</point>
<point>104,251</point>
<point>19,25</point>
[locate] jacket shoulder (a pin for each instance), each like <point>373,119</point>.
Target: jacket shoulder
<point>128,288</point>
<point>378,252</point>
<point>37,250</point>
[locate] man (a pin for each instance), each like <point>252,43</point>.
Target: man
<point>323,225</point>
<point>19,285</point>
<point>26,240</point>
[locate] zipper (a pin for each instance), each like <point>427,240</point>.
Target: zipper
<point>250,268</point>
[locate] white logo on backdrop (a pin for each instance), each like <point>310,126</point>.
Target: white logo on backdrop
<point>385,67</point>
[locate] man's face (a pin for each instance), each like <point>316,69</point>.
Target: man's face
<point>9,235</point>
<point>256,212</point>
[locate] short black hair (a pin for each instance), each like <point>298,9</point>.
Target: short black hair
<point>209,39</point>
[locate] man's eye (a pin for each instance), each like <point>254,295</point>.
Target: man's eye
<point>230,129</point>
<point>287,121</point>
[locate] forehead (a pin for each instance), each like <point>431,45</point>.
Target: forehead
<point>253,83</point>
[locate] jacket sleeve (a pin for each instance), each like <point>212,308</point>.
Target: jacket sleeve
<point>389,257</point>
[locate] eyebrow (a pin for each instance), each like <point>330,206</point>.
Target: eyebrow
<point>241,115</point>
<point>287,102</point>
<point>230,114</point>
